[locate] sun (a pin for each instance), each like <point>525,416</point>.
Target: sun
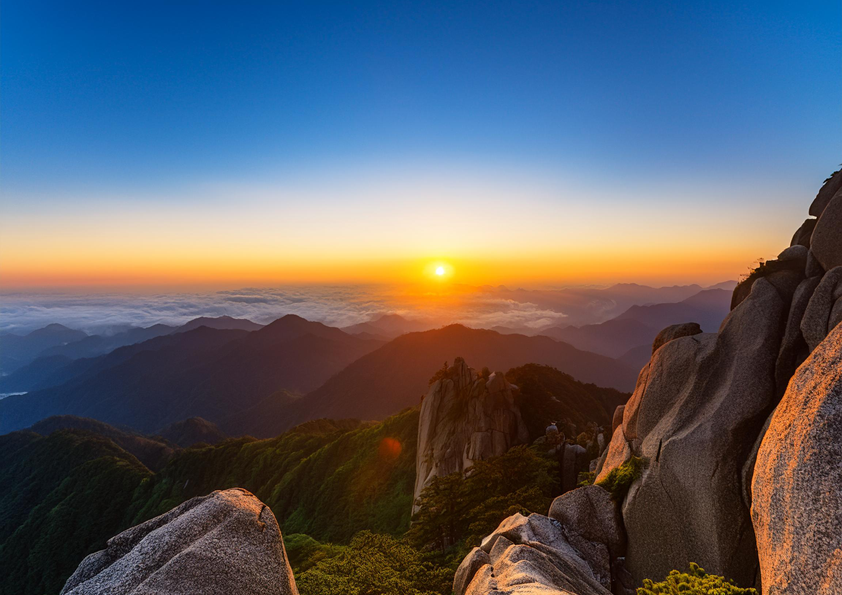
<point>439,271</point>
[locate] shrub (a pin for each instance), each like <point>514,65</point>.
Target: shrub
<point>695,582</point>
<point>375,565</point>
<point>620,479</point>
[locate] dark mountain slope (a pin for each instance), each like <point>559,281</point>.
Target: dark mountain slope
<point>17,350</point>
<point>547,395</point>
<point>149,451</point>
<point>61,497</point>
<point>32,374</point>
<point>96,345</point>
<point>192,431</point>
<point>396,375</point>
<point>214,374</point>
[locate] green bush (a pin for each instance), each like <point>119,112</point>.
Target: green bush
<point>695,582</point>
<point>376,565</point>
<point>621,478</point>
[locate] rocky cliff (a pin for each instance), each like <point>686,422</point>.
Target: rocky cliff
<point>465,417</point>
<point>738,436</point>
<point>226,542</point>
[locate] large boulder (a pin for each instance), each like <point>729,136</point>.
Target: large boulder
<point>828,190</point>
<point>675,331</point>
<point>802,236</point>
<point>592,525</point>
<point>694,416</point>
<point>822,313</point>
<point>797,485</point>
<point>465,418</point>
<point>826,241</point>
<point>226,542</point>
<point>794,349</point>
<point>528,555</point>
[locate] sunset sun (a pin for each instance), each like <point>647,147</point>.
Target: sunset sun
<point>439,271</point>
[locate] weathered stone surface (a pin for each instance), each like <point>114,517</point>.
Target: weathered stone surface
<point>794,348</point>
<point>226,542</point>
<point>802,236</point>
<point>816,322</point>
<point>617,453</point>
<point>617,420</point>
<point>592,525</point>
<point>574,460</point>
<point>475,560</point>
<point>813,268</point>
<point>797,484</point>
<point>694,416</point>
<point>830,188</point>
<point>465,418</point>
<point>532,555</point>
<point>675,331</point>
<point>826,242</point>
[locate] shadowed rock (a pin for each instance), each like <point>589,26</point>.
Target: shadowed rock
<point>826,193</point>
<point>593,526</point>
<point>822,313</point>
<point>797,484</point>
<point>826,242</point>
<point>675,331</point>
<point>802,236</point>
<point>226,542</point>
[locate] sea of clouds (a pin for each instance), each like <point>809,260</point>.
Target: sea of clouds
<point>336,306</point>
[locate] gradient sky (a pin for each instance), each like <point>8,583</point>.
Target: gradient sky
<point>204,143</point>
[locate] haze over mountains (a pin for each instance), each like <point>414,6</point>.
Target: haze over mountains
<point>261,380</point>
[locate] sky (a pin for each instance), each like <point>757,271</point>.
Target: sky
<point>218,145</point>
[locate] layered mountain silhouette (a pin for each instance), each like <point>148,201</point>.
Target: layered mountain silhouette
<point>397,374</point>
<point>629,336</point>
<point>19,350</point>
<point>209,373</point>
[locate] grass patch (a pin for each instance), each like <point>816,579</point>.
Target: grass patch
<point>620,479</point>
<point>695,582</point>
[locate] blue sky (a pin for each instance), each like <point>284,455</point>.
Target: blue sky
<point>149,103</point>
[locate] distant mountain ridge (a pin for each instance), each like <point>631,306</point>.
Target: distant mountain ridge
<point>638,326</point>
<point>396,375</point>
<point>209,373</point>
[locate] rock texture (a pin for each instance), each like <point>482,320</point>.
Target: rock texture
<point>740,432</point>
<point>226,542</point>
<point>826,241</point>
<point>528,555</point>
<point>592,525</point>
<point>797,485</point>
<point>802,236</point>
<point>830,188</point>
<point>823,309</point>
<point>675,331</point>
<point>693,417</point>
<point>465,418</point>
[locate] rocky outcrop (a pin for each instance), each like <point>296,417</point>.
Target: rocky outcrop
<point>592,525</point>
<point>464,418</point>
<point>803,234</point>
<point>824,309</point>
<point>828,190</point>
<point>226,542</point>
<point>675,331</point>
<point>826,240</point>
<point>797,485</point>
<point>739,432</point>
<point>527,555</point>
